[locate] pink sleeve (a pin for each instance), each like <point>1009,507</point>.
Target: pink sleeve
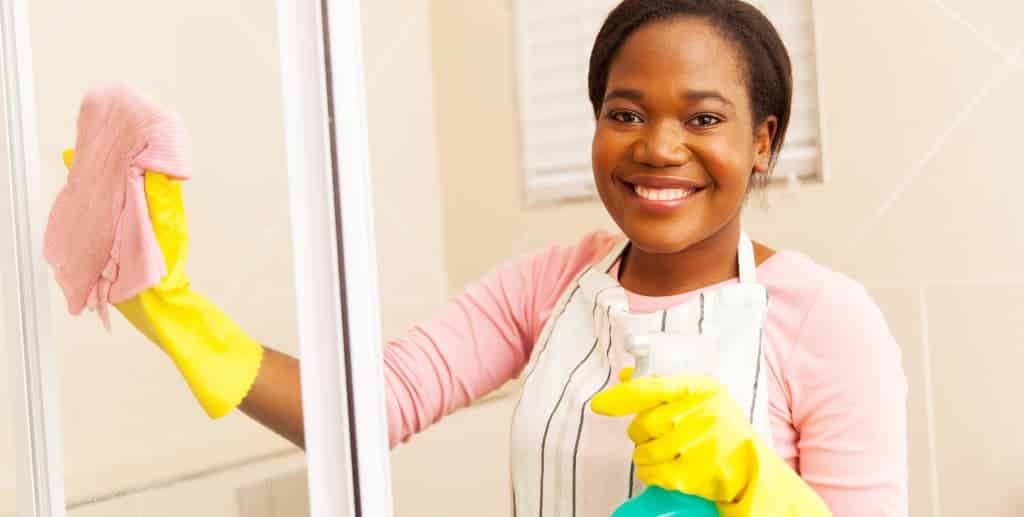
<point>480,340</point>
<point>849,397</point>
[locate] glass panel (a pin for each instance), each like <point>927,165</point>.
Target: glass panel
<point>136,442</point>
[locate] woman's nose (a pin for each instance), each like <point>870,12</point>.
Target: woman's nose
<point>664,145</point>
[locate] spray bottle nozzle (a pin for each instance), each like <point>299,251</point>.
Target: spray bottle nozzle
<point>668,354</point>
<point>639,346</point>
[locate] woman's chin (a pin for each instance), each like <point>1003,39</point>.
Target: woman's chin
<point>650,240</point>
<point>660,235</point>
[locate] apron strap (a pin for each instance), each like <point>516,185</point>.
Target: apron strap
<point>747,263</point>
<point>606,263</point>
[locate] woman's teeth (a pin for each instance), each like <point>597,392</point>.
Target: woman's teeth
<point>661,194</point>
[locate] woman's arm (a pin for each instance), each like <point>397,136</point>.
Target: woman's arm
<point>849,396</point>
<point>479,341</point>
<point>275,399</point>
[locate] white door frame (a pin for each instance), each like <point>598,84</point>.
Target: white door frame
<point>337,300</point>
<point>322,74</point>
<point>37,433</point>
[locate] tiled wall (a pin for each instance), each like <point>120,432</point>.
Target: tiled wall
<point>961,355</point>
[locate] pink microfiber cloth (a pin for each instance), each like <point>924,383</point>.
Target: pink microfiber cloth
<point>99,239</point>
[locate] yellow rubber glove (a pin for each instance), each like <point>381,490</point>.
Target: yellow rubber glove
<point>219,362</point>
<point>692,437</point>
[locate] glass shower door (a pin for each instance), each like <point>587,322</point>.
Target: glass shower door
<point>325,204</point>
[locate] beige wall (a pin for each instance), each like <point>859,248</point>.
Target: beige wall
<point>403,148</point>
<point>921,205</point>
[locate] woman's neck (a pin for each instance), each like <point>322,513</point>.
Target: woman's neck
<point>705,263</point>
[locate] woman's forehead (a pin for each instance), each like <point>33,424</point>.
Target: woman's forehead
<point>681,54</point>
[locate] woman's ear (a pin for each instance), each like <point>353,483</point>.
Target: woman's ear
<point>764,136</point>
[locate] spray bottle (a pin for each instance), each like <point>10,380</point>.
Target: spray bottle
<point>667,354</point>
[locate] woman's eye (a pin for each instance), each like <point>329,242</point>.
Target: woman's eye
<point>705,120</point>
<point>626,117</point>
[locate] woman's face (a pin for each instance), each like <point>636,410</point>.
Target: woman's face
<point>675,145</point>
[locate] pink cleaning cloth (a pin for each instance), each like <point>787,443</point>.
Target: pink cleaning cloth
<point>99,239</point>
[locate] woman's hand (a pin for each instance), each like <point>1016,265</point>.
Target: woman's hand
<point>217,359</point>
<point>693,438</point>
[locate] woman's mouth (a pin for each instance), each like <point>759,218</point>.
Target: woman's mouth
<point>659,194</point>
<point>662,194</point>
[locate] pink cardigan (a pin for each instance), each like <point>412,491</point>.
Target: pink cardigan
<point>837,388</point>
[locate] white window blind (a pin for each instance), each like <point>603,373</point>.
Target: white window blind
<point>556,119</point>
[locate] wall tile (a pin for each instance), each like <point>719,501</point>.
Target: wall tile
<point>254,500</point>
<point>290,495</point>
<point>976,335</point>
<point>471,447</point>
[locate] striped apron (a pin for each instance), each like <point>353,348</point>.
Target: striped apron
<point>570,462</point>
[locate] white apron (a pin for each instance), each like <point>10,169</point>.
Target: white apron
<point>568,461</point>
